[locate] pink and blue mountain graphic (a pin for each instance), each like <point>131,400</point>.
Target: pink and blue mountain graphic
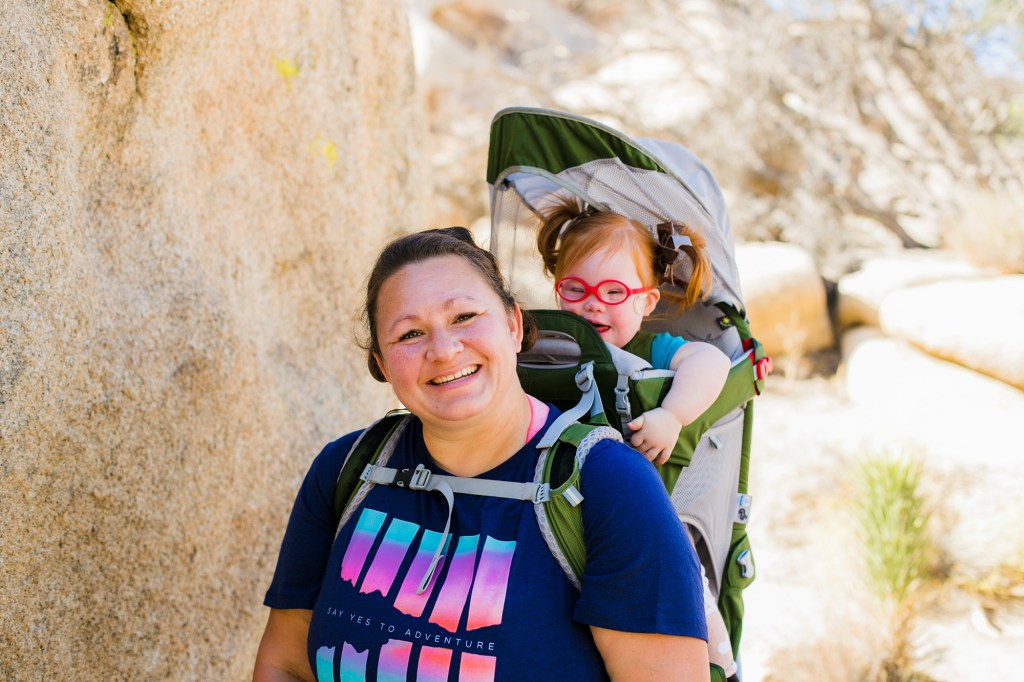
<point>469,597</point>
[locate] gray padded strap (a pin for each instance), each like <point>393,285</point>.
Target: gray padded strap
<point>625,362</point>
<point>590,403</point>
<point>385,455</point>
<point>627,365</point>
<point>622,403</point>
<point>417,479</point>
<point>446,490</point>
<point>598,434</point>
<point>421,478</point>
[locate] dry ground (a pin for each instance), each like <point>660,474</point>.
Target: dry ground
<point>809,616</point>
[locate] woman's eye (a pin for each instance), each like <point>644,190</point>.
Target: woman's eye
<point>464,316</point>
<point>411,334</point>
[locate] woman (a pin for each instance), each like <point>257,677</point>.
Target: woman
<point>444,331</point>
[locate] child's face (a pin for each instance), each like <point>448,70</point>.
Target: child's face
<point>617,324</point>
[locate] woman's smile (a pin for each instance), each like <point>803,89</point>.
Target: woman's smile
<point>449,378</point>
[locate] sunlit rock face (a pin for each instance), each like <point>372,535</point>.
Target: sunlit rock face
<point>785,298</point>
<point>976,323</point>
<point>190,197</point>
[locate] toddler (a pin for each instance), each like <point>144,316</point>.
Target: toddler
<point>607,269</point>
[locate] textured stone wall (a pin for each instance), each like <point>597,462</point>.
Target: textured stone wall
<point>190,193</point>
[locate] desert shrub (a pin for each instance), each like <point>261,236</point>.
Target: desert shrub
<point>899,553</point>
<point>893,525</point>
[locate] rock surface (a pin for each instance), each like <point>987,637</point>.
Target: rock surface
<point>860,293</point>
<point>785,298</point>
<point>190,194</point>
<point>977,323</point>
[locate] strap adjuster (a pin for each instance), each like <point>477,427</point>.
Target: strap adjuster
<point>762,366</point>
<point>622,400</point>
<point>585,376</point>
<point>413,479</point>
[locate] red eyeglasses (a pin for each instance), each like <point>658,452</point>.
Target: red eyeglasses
<point>609,292</point>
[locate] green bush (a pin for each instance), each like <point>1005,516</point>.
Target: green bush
<point>893,524</point>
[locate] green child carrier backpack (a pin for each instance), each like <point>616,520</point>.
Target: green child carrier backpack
<point>538,156</point>
<point>537,153</point>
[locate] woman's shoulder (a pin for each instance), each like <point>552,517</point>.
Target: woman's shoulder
<point>323,471</point>
<point>614,459</point>
<point>333,455</point>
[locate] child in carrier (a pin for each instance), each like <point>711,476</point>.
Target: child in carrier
<point>607,269</point>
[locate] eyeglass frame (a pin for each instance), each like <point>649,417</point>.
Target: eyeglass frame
<point>589,290</point>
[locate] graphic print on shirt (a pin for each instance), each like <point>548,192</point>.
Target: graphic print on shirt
<point>466,596</point>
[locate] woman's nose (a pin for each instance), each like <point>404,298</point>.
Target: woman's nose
<point>443,345</point>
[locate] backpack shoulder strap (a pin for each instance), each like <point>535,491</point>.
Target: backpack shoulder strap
<point>373,445</point>
<point>759,358</point>
<point>560,518</point>
<point>558,470</point>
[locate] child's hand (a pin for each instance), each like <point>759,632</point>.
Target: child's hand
<point>656,433</point>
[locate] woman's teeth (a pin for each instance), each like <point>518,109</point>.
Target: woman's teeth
<point>458,375</point>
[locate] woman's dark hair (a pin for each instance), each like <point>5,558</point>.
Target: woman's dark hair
<point>420,246</point>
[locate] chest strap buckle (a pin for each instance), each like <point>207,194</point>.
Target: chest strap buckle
<point>413,479</point>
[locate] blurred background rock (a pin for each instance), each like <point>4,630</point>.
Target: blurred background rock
<point>190,195</point>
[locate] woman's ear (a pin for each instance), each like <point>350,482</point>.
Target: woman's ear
<point>380,366</point>
<point>515,326</point>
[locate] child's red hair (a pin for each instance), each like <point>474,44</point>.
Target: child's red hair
<point>569,233</point>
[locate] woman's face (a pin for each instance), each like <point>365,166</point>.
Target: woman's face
<point>617,324</point>
<point>447,344</point>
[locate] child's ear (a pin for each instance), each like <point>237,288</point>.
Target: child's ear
<point>651,299</point>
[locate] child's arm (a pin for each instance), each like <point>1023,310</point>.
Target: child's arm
<point>701,370</point>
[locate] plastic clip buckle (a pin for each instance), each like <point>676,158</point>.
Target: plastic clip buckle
<point>413,479</point>
<point>622,401</point>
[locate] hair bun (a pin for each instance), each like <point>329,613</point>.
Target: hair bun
<point>460,233</point>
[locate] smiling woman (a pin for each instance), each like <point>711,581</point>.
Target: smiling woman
<point>360,600</point>
<point>448,348</point>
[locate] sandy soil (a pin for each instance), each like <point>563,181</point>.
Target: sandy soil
<point>809,615</point>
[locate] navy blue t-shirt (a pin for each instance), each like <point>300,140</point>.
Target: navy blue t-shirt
<point>499,606</point>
